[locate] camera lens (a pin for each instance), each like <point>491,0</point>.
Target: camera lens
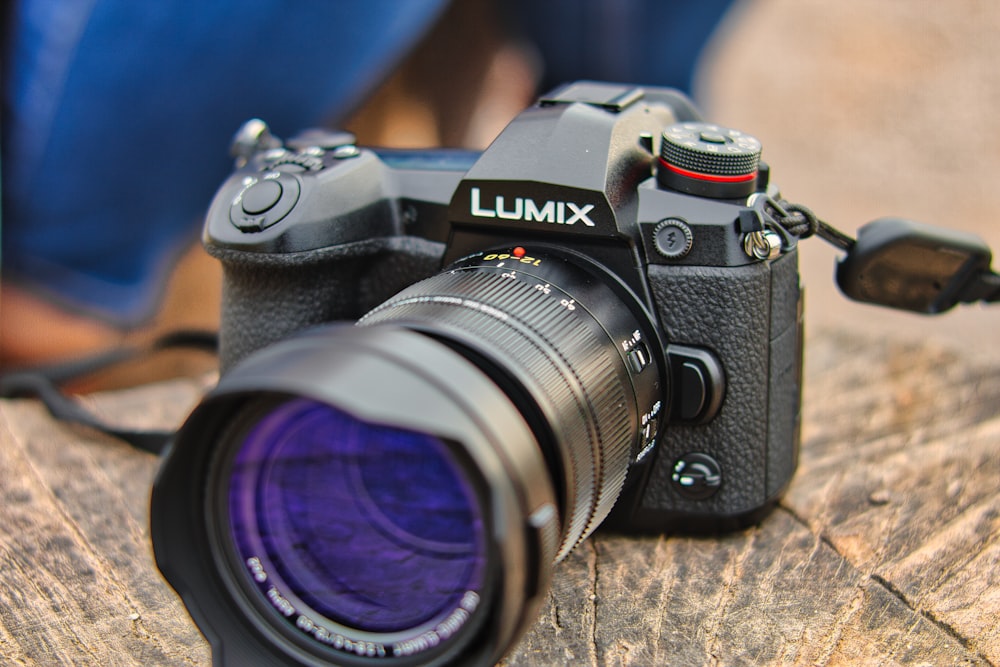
<point>400,489</point>
<point>569,341</point>
<point>366,526</point>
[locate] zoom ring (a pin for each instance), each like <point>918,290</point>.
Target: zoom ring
<point>561,355</point>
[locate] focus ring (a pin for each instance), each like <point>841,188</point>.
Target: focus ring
<point>560,353</point>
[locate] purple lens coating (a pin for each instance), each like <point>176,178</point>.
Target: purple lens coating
<point>372,527</point>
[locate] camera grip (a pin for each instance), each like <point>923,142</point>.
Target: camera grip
<point>263,304</point>
<point>267,297</point>
<point>749,316</point>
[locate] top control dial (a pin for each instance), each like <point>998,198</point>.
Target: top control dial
<point>708,160</point>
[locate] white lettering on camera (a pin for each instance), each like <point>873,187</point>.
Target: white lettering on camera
<point>280,603</point>
<point>338,641</point>
<point>257,570</point>
<point>445,629</point>
<point>524,208</point>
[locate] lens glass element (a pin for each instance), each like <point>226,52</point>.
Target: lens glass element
<point>368,527</point>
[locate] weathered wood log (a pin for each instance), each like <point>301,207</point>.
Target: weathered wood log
<point>886,548</point>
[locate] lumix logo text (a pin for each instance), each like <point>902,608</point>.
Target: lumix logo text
<point>525,208</point>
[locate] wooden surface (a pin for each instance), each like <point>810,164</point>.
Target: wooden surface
<point>886,549</point>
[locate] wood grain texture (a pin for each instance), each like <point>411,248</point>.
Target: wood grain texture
<point>78,582</point>
<point>885,550</point>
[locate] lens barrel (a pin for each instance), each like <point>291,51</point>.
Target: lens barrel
<point>399,490</point>
<point>556,331</point>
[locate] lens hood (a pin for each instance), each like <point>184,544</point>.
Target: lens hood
<point>381,375</point>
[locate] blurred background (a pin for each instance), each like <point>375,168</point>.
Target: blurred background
<point>866,108</point>
<point>871,108</point>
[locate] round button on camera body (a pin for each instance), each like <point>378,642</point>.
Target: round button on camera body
<point>263,201</point>
<point>673,238</point>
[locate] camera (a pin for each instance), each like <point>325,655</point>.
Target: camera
<point>443,369</point>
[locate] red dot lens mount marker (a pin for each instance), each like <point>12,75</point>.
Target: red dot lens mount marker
<point>708,160</point>
<point>518,252</point>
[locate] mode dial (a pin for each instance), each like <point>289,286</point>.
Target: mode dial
<point>708,160</point>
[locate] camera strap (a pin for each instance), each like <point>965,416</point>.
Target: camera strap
<point>45,383</point>
<point>895,262</point>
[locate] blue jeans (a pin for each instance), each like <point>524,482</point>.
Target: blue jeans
<point>117,114</point>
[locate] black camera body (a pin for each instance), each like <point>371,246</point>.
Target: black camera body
<point>587,324</point>
<point>351,226</point>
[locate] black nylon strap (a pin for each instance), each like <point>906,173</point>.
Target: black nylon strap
<point>43,383</point>
<point>982,284</point>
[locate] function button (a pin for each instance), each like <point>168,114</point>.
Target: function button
<point>696,476</point>
<point>673,238</point>
<point>275,154</point>
<point>345,152</point>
